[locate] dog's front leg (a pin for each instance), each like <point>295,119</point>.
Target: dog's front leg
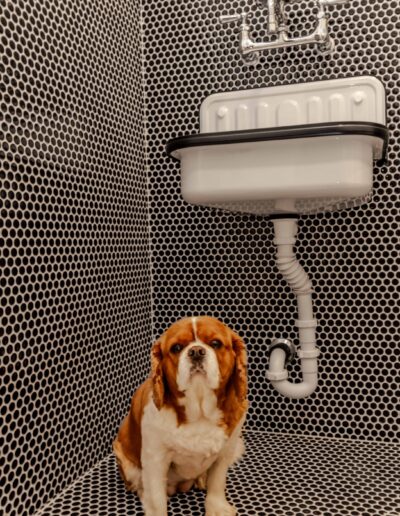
<point>154,477</point>
<point>216,504</point>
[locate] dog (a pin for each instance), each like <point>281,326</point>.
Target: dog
<point>184,424</point>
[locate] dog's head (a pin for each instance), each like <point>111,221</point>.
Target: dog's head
<point>199,348</point>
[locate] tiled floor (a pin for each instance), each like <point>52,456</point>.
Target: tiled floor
<point>281,474</point>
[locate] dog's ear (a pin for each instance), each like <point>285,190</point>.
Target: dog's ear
<point>240,371</point>
<point>157,376</point>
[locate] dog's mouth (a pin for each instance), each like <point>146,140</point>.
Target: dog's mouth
<point>197,369</point>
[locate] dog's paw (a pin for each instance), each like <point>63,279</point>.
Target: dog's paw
<point>219,507</point>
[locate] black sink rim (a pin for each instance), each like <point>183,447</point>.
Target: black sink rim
<point>282,133</point>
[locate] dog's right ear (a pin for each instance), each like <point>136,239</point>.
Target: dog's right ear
<point>157,376</point>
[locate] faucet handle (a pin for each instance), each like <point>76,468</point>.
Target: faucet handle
<point>327,3</point>
<point>229,18</point>
<point>251,58</point>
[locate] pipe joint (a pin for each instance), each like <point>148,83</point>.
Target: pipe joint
<point>284,241</point>
<point>277,376</point>
<point>312,353</point>
<point>287,346</point>
<point>312,323</point>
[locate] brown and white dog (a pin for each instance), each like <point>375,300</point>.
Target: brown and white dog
<point>185,421</point>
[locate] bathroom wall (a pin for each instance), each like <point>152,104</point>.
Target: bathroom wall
<point>75,283</point>
<point>75,280</point>
<point>209,262</point>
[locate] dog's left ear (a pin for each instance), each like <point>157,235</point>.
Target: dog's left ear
<point>157,376</point>
<point>240,371</point>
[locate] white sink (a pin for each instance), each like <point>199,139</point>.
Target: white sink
<point>301,149</point>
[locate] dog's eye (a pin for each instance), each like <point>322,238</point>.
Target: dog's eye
<point>176,348</point>
<point>216,344</point>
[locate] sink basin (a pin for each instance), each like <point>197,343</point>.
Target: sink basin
<point>282,149</point>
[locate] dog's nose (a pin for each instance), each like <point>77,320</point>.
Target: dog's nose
<point>197,353</point>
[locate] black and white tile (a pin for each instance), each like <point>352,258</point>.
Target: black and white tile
<point>75,282</point>
<point>210,262</point>
<point>280,475</point>
<point>74,249</point>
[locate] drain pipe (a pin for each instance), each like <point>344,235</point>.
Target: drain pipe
<point>282,350</point>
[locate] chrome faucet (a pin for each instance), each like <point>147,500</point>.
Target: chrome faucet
<point>250,49</point>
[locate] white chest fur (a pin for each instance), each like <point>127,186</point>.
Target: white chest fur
<point>191,447</point>
<point>195,446</point>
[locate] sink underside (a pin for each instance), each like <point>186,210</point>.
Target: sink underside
<point>294,174</point>
<point>301,149</point>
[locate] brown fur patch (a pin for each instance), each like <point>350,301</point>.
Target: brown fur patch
<point>129,438</point>
<point>165,367</point>
<point>232,361</point>
<point>232,396</point>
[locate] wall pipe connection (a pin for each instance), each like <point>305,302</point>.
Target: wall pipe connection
<point>297,278</point>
